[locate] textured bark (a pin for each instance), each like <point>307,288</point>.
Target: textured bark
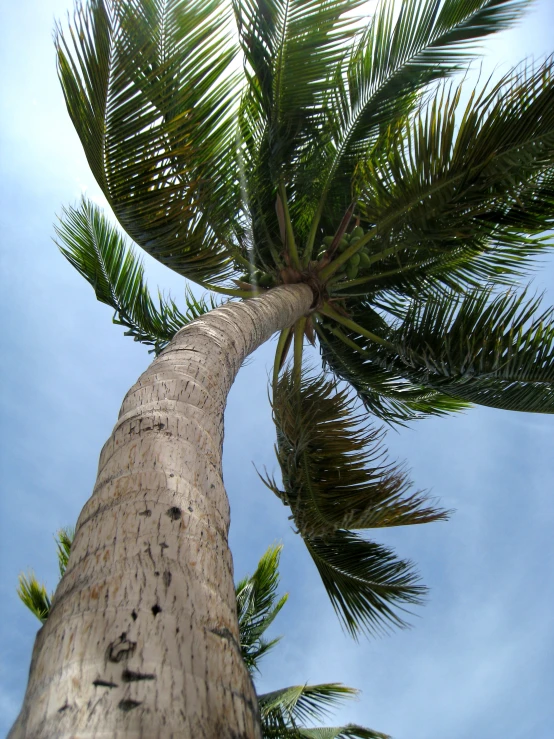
<point>142,639</point>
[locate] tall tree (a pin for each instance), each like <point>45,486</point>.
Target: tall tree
<point>283,712</point>
<point>366,212</point>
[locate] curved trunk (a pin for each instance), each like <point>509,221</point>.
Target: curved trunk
<point>142,639</point>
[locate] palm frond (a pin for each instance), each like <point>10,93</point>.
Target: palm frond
<point>405,48</point>
<point>366,582</point>
<point>334,467</point>
<point>384,392</point>
<point>99,253</point>
<point>350,731</point>
<point>64,540</point>
<point>258,605</point>
<point>463,201</point>
<point>284,713</point>
<point>297,704</point>
<point>33,595</point>
<point>148,89</point>
<point>290,49</point>
<point>495,351</point>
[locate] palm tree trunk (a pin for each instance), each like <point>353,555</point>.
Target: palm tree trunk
<point>142,639</point>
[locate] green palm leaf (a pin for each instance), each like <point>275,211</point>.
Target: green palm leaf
<point>463,201</point>
<point>290,48</point>
<point>404,49</point>
<point>384,392</point>
<point>493,351</point>
<point>300,703</point>
<point>34,596</point>
<point>257,606</point>
<point>99,253</point>
<point>147,87</point>
<point>366,582</point>
<point>32,593</point>
<point>335,473</point>
<point>350,731</point>
<point>64,540</point>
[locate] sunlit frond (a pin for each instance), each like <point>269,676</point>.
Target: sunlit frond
<point>462,197</point>
<point>149,90</point>
<point>300,703</point>
<point>405,47</point>
<point>64,540</point>
<point>33,595</point>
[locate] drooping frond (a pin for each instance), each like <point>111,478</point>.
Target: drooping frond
<point>366,582</point>
<point>334,467</point>
<point>462,199</point>
<point>99,253</point>
<point>406,46</point>
<point>148,88</point>
<point>336,477</point>
<point>33,595</point>
<point>258,605</point>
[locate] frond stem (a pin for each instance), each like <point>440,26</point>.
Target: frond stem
<point>326,310</point>
<point>283,337</point>
<point>231,292</point>
<point>298,348</point>
<point>291,243</point>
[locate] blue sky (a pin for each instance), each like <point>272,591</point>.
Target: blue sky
<point>478,660</point>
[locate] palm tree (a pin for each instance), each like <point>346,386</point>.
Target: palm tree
<point>283,712</point>
<point>336,184</point>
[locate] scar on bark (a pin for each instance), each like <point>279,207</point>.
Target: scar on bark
<point>128,676</point>
<point>156,609</point>
<point>104,684</point>
<point>64,708</point>
<point>174,513</point>
<point>120,649</point>
<point>128,705</point>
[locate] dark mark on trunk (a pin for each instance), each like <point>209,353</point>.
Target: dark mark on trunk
<point>121,649</point>
<point>104,684</point>
<point>174,513</point>
<point>128,676</point>
<point>128,704</point>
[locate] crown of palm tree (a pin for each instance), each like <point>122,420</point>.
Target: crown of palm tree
<point>307,146</point>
